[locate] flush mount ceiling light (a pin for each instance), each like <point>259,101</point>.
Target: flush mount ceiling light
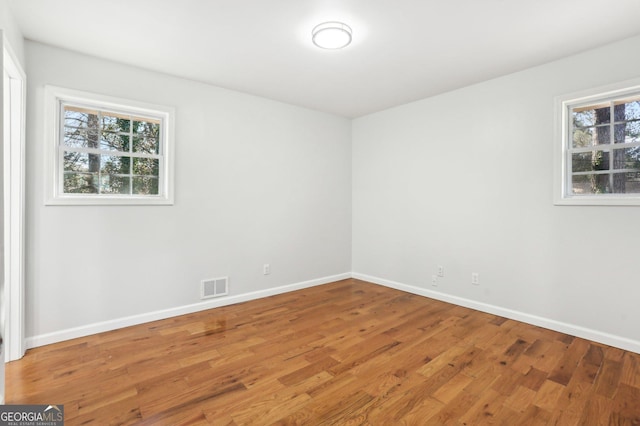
<point>331,35</point>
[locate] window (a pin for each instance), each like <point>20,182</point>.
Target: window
<point>599,160</point>
<point>105,150</point>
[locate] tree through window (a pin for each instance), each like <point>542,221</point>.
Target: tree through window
<point>601,148</point>
<point>110,153</point>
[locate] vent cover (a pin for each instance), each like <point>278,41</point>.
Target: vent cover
<point>214,287</point>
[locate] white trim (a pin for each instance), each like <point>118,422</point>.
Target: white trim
<point>562,327</point>
<point>14,187</point>
<point>86,330</point>
<point>561,138</point>
<point>53,192</point>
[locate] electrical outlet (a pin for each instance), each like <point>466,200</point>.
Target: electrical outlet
<point>440,271</point>
<point>266,269</point>
<point>434,280</point>
<point>475,278</point>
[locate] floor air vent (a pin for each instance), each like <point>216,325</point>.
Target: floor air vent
<point>214,287</point>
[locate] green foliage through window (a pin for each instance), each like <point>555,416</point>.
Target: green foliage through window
<point>605,147</point>
<point>109,153</point>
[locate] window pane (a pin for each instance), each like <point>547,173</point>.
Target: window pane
<point>75,137</point>
<point>111,184</point>
<point>146,166</point>
<point>145,185</point>
<point>146,145</point>
<point>628,109</point>
<point>581,162</point>
<point>114,142</point>
<point>583,118</point>
<point>146,128</point>
<point>81,137</point>
<point>116,123</point>
<point>627,132</point>
<point>591,115</point>
<point>146,135</point>
<point>75,117</point>
<point>590,184</point>
<point>81,127</point>
<point>80,183</point>
<point>112,164</point>
<point>589,136</point>
<point>628,158</point>
<point>81,162</point>
<point>602,135</point>
<point>76,161</point>
<point>583,137</point>
<point>626,183</point>
<point>588,161</point>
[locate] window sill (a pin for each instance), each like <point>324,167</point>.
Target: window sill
<point>599,200</point>
<point>102,200</point>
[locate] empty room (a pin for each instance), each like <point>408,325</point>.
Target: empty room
<point>320,212</point>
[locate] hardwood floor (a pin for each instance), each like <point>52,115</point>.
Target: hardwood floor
<point>347,353</point>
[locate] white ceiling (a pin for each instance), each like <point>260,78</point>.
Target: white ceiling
<point>402,50</point>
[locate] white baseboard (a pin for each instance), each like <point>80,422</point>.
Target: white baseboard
<point>572,329</point>
<point>99,327</point>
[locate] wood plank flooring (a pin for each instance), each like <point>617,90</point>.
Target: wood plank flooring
<point>346,353</point>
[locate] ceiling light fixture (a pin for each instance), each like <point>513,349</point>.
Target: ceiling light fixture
<point>331,35</point>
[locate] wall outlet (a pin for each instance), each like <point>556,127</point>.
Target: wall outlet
<point>440,271</point>
<point>475,278</point>
<point>434,280</point>
<point>266,269</point>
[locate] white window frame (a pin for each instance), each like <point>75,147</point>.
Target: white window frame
<point>563,142</point>
<point>55,97</point>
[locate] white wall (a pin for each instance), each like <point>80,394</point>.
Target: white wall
<point>257,181</point>
<point>11,32</point>
<point>462,180</point>
<point>465,180</point>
